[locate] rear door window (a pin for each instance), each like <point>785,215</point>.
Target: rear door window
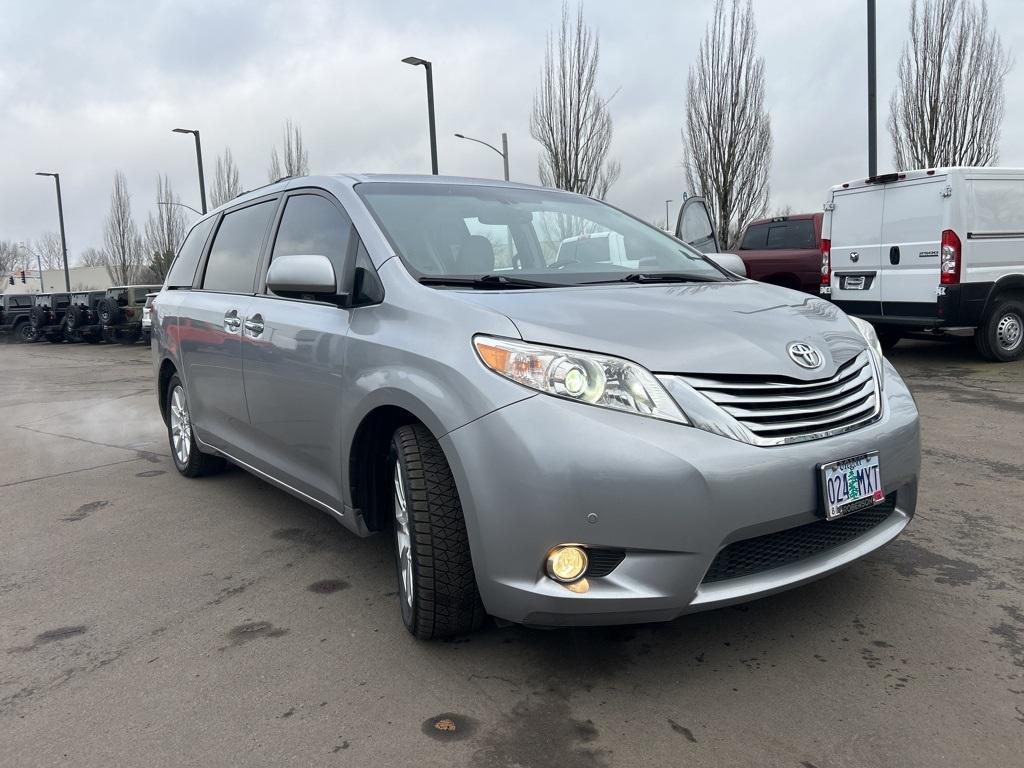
<point>183,271</point>
<point>779,236</point>
<point>235,253</point>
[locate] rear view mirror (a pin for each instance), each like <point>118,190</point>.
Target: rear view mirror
<point>729,261</point>
<point>299,275</point>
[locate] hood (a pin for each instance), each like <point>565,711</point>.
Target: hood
<point>710,328</point>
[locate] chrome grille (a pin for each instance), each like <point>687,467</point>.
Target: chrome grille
<point>780,410</point>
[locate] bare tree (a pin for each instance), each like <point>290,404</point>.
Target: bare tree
<point>570,119</point>
<point>226,184</point>
<point>165,229</point>
<point>728,135</point>
<point>948,105</point>
<point>94,257</point>
<point>121,236</point>
<point>295,160</point>
<point>11,258</point>
<point>48,250</point>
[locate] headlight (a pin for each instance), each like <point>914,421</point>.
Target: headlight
<point>607,382</point>
<point>868,332</point>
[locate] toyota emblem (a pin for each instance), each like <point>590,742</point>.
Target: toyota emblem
<point>805,355</point>
<point>854,257</point>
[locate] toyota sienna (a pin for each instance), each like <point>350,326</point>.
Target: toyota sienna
<point>554,433</point>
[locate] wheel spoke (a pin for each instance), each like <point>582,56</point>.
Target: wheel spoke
<point>403,538</point>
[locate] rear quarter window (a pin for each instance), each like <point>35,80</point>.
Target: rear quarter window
<point>183,270</point>
<point>779,236</point>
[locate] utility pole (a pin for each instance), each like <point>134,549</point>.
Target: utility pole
<point>63,241</point>
<point>872,96</point>
<point>503,151</point>
<point>416,62</point>
<point>668,225</point>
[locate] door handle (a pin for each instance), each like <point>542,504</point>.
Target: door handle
<point>894,255</point>
<point>254,325</point>
<point>231,321</point>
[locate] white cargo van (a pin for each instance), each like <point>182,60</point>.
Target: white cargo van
<point>939,250</point>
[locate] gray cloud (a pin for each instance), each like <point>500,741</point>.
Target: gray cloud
<point>87,88</point>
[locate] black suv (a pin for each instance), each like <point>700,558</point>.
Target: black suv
<point>120,312</point>
<point>83,321</point>
<point>14,322</point>
<point>47,315</point>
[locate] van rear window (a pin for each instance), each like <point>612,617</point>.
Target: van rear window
<point>780,235</point>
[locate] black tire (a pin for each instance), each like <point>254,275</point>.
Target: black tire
<point>108,311</point>
<point>196,463</point>
<point>74,317</point>
<point>445,600</point>
<point>37,317</point>
<point>24,332</point>
<point>888,336</point>
<point>1000,337</point>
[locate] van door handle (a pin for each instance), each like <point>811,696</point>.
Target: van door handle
<point>894,255</point>
<point>254,325</point>
<point>231,321</point>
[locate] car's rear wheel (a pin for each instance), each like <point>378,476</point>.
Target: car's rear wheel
<point>188,459</point>
<point>1000,337</point>
<point>26,333</point>
<point>436,583</point>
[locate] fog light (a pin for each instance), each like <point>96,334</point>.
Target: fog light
<point>567,563</point>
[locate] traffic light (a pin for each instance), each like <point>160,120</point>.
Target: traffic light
<point>12,279</point>
<point>22,276</point>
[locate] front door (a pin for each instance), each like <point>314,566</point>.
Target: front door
<point>293,357</point>
<point>210,326</point>
<point>694,226</point>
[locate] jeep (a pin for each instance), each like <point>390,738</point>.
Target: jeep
<point>14,321</point>
<point>47,316</point>
<point>82,322</point>
<point>120,312</point>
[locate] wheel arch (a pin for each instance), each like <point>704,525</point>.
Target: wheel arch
<point>167,370</point>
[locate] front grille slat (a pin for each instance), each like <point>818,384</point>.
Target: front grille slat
<point>774,550</point>
<point>778,411</point>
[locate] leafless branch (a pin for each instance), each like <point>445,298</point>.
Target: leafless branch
<point>121,236</point>
<point>294,160</point>
<point>165,229</point>
<point>948,105</point>
<point>570,119</point>
<point>226,184</point>
<point>728,137</point>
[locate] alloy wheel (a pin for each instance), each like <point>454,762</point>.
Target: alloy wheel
<point>403,537</point>
<point>181,426</point>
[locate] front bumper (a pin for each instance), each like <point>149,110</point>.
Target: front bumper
<point>534,474</point>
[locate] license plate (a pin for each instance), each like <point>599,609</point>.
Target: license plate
<point>854,283</point>
<point>850,485</point>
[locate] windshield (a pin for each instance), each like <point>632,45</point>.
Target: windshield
<point>470,231</point>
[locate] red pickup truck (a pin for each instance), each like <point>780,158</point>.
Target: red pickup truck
<point>784,250</point>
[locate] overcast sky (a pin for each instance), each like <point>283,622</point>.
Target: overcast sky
<point>90,87</point>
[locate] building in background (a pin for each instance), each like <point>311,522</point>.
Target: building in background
<point>82,279</point>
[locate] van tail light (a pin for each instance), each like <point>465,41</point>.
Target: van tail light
<point>826,262</point>
<point>949,259</point>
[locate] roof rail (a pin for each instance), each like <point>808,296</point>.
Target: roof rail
<point>268,184</point>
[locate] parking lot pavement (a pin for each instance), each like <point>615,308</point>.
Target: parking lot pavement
<point>153,621</point>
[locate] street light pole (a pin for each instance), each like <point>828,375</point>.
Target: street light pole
<point>668,226</point>
<point>39,264</point>
<point>199,162</point>
<point>63,240</point>
<point>872,96</point>
<point>503,151</point>
<point>415,61</point>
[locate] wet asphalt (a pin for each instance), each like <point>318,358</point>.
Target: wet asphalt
<point>147,620</point>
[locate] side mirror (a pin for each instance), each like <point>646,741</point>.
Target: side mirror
<point>300,275</point>
<point>729,261</point>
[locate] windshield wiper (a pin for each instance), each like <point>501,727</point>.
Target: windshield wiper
<point>487,281</point>
<point>661,277</point>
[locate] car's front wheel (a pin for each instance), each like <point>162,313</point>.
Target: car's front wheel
<point>436,583</point>
<point>188,459</point>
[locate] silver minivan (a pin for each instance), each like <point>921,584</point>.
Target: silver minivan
<point>553,435</point>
